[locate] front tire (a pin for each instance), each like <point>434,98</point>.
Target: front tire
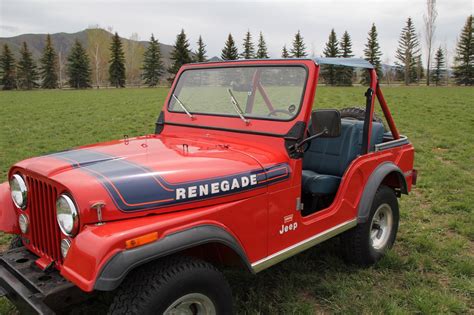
<point>176,285</point>
<point>368,242</point>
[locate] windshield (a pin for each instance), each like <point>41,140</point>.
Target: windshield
<point>269,92</point>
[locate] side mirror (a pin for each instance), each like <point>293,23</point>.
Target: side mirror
<point>326,122</point>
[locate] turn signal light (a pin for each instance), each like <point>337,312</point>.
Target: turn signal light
<point>141,240</point>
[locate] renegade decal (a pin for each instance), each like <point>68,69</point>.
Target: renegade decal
<point>133,187</point>
<point>215,187</point>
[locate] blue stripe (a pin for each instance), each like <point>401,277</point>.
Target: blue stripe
<point>133,187</point>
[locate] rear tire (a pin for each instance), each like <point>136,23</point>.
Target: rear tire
<point>357,113</point>
<point>368,242</point>
<point>176,285</point>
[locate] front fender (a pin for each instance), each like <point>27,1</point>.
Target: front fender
<point>8,216</point>
<point>113,273</point>
<point>97,258</point>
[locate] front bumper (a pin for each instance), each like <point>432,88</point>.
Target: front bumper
<point>32,290</point>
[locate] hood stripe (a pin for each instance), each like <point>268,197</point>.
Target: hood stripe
<point>134,187</point>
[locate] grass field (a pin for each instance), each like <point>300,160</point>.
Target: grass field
<point>430,269</point>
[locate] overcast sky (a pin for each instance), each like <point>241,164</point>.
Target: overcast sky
<point>278,20</point>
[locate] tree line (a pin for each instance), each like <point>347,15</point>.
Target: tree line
<point>25,74</point>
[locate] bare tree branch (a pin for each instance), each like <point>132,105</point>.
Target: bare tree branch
<point>429,19</point>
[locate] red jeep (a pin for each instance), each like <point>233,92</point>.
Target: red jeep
<point>240,171</point>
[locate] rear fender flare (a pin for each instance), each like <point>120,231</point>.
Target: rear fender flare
<point>117,268</point>
<point>374,182</point>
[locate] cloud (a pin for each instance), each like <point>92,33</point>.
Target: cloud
<point>278,20</point>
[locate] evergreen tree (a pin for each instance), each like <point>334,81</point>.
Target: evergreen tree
<point>201,51</point>
<point>7,65</point>
<point>372,54</point>
<point>249,50</point>
<point>229,52</point>
<point>78,67</point>
<point>420,70</point>
<point>408,51</point>
<point>180,54</point>
<point>299,49</point>
<point>262,48</point>
<point>284,52</point>
<point>117,63</point>
<point>49,66</point>
<point>27,74</point>
<point>153,67</point>
<point>464,59</point>
<point>345,74</point>
<point>331,50</point>
<point>439,67</point>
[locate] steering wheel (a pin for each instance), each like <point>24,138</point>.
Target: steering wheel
<point>283,111</point>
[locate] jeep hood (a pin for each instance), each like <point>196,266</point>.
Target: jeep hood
<point>158,172</point>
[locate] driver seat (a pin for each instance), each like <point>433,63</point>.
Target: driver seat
<point>327,159</point>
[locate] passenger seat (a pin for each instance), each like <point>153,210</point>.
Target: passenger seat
<point>328,158</point>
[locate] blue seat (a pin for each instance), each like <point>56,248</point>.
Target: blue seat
<point>327,159</point>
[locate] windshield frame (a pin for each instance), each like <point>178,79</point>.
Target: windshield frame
<point>224,66</point>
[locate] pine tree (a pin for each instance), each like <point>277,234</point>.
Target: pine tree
<point>372,54</point>
<point>7,65</point>
<point>49,66</point>
<point>299,49</point>
<point>27,74</point>
<point>201,51</point>
<point>262,52</point>
<point>439,67</point>
<point>117,63</point>
<point>284,52</point>
<point>180,54</point>
<point>78,67</point>
<point>153,67</point>
<point>408,51</point>
<point>345,74</point>
<point>420,70</point>
<point>331,50</point>
<point>249,49</point>
<point>229,52</point>
<point>464,59</point>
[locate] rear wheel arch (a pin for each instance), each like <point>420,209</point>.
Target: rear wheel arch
<point>207,242</point>
<point>387,174</point>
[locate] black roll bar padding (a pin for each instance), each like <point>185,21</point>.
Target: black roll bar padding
<point>368,104</point>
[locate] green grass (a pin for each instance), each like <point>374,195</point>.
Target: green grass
<point>430,269</point>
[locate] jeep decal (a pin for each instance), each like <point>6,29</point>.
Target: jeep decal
<point>134,187</point>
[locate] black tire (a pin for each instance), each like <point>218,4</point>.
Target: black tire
<point>156,286</point>
<point>16,242</point>
<point>357,113</point>
<point>357,244</point>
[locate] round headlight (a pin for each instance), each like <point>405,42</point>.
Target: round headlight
<point>19,191</point>
<point>24,223</point>
<point>65,244</point>
<point>67,215</point>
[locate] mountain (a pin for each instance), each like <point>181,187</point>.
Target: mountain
<point>64,41</point>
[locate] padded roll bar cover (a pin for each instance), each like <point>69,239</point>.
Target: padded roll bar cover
<point>117,268</point>
<point>375,179</point>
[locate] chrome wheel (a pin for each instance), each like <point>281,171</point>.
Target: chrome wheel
<point>192,304</point>
<point>381,226</point>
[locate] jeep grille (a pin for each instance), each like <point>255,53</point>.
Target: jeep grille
<point>44,234</point>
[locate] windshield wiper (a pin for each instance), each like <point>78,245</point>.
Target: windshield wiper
<point>237,107</point>
<point>183,107</point>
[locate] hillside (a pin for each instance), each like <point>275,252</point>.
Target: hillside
<point>64,41</point>
<point>97,43</point>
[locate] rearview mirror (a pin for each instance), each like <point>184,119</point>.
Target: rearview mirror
<point>326,122</point>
